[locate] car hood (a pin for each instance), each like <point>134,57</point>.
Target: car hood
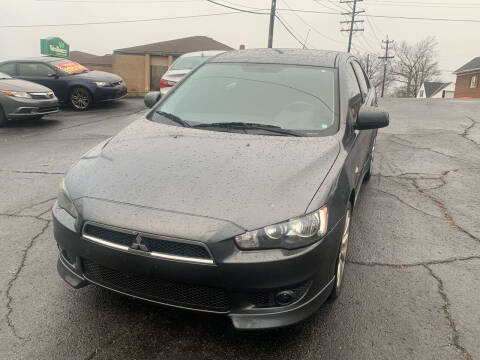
<point>247,180</point>
<point>21,85</point>
<point>99,76</point>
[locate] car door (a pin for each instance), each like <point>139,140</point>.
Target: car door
<point>364,138</point>
<point>40,73</point>
<point>355,140</point>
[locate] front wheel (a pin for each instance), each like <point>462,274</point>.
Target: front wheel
<point>342,254</point>
<point>80,98</point>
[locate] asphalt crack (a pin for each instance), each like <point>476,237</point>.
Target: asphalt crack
<point>410,145</point>
<point>32,206</point>
<point>444,209</point>
<point>405,203</point>
<point>448,316</point>
<point>16,274</point>
<point>415,264</point>
<point>8,171</point>
<point>464,134</point>
<point>413,180</point>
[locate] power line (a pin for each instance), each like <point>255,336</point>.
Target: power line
<point>370,22</point>
<point>235,8</point>
<point>310,26</point>
<point>289,31</point>
<point>121,21</point>
<point>389,16</point>
<point>236,12</point>
<point>425,4</point>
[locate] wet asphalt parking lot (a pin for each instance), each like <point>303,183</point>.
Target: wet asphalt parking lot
<point>412,282</point>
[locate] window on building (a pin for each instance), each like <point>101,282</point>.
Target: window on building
<point>473,81</point>
<point>421,93</point>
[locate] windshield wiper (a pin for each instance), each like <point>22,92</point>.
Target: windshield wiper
<point>174,118</point>
<point>250,126</point>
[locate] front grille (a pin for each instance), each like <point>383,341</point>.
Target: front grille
<point>116,83</point>
<point>153,244</point>
<point>162,291</point>
<point>48,95</point>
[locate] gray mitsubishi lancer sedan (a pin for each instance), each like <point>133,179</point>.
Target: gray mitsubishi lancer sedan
<point>233,195</point>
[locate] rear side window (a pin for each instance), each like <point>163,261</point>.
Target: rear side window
<point>362,80</point>
<point>8,69</point>
<point>34,69</point>
<point>353,87</point>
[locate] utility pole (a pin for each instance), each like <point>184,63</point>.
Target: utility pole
<point>272,20</point>
<point>352,21</point>
<point>385,59</point>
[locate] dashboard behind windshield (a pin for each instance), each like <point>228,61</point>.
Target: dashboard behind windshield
<point>300,98</point>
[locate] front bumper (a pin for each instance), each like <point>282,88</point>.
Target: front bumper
<point>248,280</point>
<point>110,93</point>
<point>21,107</point>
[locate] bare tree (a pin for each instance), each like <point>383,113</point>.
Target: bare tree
<point>374,68</point>
<point>413,65</point>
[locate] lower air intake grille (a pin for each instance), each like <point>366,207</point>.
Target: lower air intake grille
<point>186,295</point>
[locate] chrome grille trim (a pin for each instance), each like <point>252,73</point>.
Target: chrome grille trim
<point>155,254</point>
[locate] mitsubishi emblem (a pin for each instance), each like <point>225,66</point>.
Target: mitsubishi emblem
<point>137,245</point>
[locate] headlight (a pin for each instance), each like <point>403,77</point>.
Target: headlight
<point>294,233</point>
<point>64,200</point>
<point>19,94</point>
<point>101,83</point>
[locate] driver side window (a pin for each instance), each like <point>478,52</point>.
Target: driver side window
<point>354,92</point>
<point>34,69</point>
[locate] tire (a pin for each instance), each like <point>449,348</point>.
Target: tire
<point>3,118</point>
<point>80,98</point>
<point>342,254</point>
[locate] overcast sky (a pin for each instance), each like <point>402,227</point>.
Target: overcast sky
<point>458,41</point>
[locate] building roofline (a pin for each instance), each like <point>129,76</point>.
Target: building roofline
<point>466,71</point>
<point>144,52</point>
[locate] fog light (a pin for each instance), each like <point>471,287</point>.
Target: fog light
<point>284,297</point>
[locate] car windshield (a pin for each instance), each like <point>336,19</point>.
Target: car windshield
<point>290,97</point>
<point>4,76</point>
<point>70,67</point>
<point>188,62</point>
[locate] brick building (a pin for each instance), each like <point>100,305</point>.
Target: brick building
<point>468,78</point>
<point>142,66</point>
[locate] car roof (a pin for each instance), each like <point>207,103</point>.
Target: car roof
<point>37,59</point>
<point>323,58</point>
<point>203,53</point>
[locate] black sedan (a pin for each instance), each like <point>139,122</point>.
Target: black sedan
<point>71,82</point>
<point>234,195</point>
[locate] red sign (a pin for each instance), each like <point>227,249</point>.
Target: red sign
<point>71,67</point>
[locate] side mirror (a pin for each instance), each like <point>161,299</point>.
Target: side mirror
<point>372,120</point>
<point>151,98</point>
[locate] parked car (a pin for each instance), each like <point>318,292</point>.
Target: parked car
<point>182,66</point>
<point>24,99</point>
<point>71,82</point>
<point>234,195</point>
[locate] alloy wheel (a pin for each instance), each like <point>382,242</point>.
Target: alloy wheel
<point>80,99</point>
